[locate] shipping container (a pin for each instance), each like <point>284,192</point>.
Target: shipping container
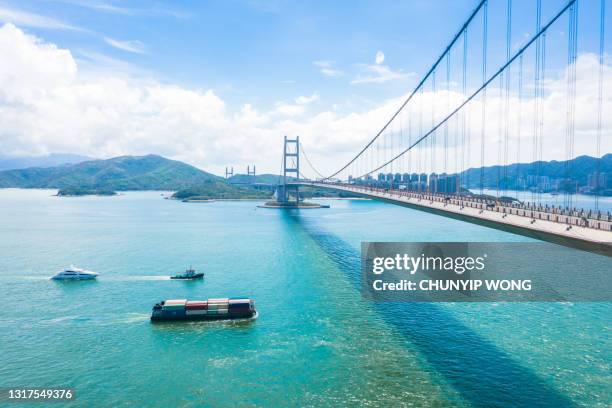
<point>174,308</point>
<point>213,309</point>
<point>196,302</point>
<point>196,305</point>
<point>173,313</point>
<point>175,302</point>
<point>195,312</point>
<point>247,304</point>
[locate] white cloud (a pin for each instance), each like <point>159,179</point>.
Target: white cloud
<point>380,57</point>
<point>379,74</point>
<point>50,103</point>
<point>110,8</point>
<point>114,9</point>
<point>327,68</point>
<point>298,107</point>
<point>94,62</point>
<point>24,18</point>
<point>288,109</point>
<point>305,100</point>
<point>134,46</point>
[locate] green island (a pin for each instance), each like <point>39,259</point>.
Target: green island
<point>77,192</point>
<point>220,190</point>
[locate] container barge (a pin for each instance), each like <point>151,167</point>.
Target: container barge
<point>211,309</point>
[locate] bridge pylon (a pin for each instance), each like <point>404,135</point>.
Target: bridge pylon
<point>288,193</point>
<point>251,173</point>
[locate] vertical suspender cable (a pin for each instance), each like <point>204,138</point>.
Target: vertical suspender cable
<point>541,125</point>
<point>401,143</point>
<point>507,101</point>
<point>484,94</point>
<point>446,124</point>
<point>419,157</point>
<point>536,90</point>
<point>432,140</point>
<point>567,173</point>
<point>466,143</point>
<point>600,98</point>
<point>500,124</point>
<point>573,71</point>
<point>410,138</point>
<point>519,180</point>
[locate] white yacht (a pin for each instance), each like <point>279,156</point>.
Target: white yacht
<point>74,273</point>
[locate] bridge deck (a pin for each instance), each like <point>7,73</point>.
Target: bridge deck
<point>592,239</point>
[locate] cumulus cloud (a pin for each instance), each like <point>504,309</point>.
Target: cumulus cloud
<point>134,46</point>
<point>50,103</point>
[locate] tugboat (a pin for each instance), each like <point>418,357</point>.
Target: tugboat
<point>189,274</point>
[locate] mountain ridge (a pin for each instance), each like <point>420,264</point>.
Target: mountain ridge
<point>149,172</point>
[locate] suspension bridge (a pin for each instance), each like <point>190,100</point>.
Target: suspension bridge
<point>472,143</point>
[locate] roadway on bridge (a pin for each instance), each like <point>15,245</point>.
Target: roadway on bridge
<point>596,240</point>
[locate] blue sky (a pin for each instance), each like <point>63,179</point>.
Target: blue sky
<point>260,51</point>
<point>282,60</point>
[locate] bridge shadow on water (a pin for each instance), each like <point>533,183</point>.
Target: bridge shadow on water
<point>484,374</point>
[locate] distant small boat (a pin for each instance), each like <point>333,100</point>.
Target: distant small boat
<point>554,193</point>
<point>189,274</point>
<point>74,273</point>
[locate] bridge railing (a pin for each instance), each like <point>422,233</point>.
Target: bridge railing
<point>572,217</point>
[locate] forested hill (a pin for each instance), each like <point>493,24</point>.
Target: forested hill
<point>149,172</point>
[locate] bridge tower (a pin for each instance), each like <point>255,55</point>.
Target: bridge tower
<point>291,168</point>
<point>251,173</point>
<point>229,172</point>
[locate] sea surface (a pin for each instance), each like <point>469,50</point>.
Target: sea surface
<point>317,342</point>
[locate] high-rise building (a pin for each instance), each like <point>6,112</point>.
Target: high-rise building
<point>433,183</point>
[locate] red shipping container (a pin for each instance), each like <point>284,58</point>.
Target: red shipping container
<point>196,305</point>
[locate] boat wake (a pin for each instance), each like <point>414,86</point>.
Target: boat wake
<point>136,278</point>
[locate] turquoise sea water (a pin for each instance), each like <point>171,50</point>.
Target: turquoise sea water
<point>316,342</point>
